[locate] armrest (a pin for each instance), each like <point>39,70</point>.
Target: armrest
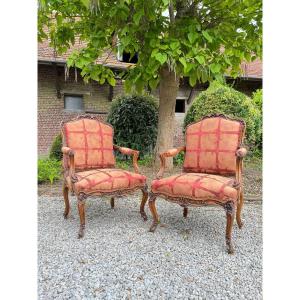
<point>169,153</point>
<point>70,153</point>
<point>128,151</point>
<point>241,152</point>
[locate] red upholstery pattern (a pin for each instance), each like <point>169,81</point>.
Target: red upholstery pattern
<point>197,186</point>
<point>107,180</point>
<point>211,145</point>
<point>92,142</point>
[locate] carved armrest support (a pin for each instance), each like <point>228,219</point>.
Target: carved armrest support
<point>169,153</point>
<point>241,152</point>
<point>134,153</point>
<point>70,155</point>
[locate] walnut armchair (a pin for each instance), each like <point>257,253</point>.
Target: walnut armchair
<point>89,166</point>
<point>212,171</point>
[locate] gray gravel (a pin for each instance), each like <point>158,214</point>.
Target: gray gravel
<point>119,259</point>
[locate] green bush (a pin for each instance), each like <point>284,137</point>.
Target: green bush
<point>55,151</point>
<point>48,170</point>
<point>257,97</point>
<point>178,159</point>
<point>135,119</point>
<point>221,99</point>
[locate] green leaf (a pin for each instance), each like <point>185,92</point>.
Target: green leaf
<point>192,80</point>
<point>137,16</point>
<point>111,81</point>
<point>200,59</point>
<point>174,45</point>
<point>161,57</point>
<point>86,3</point>
<point>207,36</point>
<point>215,68</point>
<point>153,83</point>
<point>192,36</point>
<point>182,60</point>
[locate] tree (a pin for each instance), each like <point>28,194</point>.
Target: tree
<point>199,40</point>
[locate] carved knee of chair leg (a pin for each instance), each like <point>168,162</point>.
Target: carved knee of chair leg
<point>152,207</point>
<point>143,203</point>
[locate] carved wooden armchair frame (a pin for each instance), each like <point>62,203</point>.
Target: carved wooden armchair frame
<point>232,206</point>
<point>71,176</point>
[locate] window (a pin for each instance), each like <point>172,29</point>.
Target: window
<point>180,106</point>
<point>126,58</point>
<point>73,103</point>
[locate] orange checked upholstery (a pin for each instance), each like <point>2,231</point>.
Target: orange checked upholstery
<point>92,142</point>
<point>196,186</point>
<point>107,180</point>
<point>211,145</point>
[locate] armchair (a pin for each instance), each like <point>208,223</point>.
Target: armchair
<point>212,171</point>
<point>89,166</point>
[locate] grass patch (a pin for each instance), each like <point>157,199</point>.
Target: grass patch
<point>49,170</point>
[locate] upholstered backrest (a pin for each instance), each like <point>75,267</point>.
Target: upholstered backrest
<point>92,142</point>
<point>211,145</point>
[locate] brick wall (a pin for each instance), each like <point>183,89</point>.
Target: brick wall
<point>51,108</point>
<point>95,97</point>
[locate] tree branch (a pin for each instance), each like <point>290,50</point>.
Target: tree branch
<point>171,12</point>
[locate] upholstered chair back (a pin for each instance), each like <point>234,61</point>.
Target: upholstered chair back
<point>92,142</point>
<point>211,145</point>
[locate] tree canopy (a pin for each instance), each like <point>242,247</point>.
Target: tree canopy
<point>200,40</point>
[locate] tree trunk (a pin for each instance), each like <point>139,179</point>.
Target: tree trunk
<point>167,100</point>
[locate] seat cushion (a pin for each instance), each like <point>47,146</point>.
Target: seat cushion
<point>196,186</point>
<point>107,180</point>
<point>211,145</point>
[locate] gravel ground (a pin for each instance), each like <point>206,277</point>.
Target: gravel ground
<point>119,259</point>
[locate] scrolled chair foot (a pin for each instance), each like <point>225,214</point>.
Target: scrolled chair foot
<point>81,231</point>
<point>65,214</point>
<point>230,249</point>
<point>144,216</point>
<point>240,223</point>
<point>153,226</point>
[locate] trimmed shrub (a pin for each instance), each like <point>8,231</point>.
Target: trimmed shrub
<point>55,151</point>
<point>257,97</point>
<point>221,99</point>
<point>49,170</point>
<point>135,118</point>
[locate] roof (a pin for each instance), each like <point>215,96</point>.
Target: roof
<point>47,54</point>
<point>252,70</point>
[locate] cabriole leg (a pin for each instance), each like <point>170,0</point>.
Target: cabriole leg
<point>239,209</point>
<point>154,213</point>
<point>81,211</point>
<point>229,208</point>
<point>112,202</point>
<point>143,203</point>
<point>66,198</point>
